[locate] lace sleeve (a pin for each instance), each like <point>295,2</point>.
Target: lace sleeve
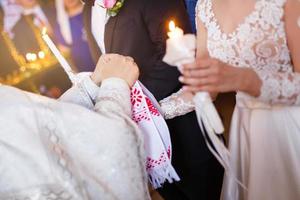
<point>280,88</point>
<point>83,93</point>
<point>114,97</point>
<point>177,104</point>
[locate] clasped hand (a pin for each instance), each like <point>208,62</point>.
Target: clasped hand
<point>118,66</point>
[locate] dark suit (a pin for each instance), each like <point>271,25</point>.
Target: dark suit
<point>140,31</point>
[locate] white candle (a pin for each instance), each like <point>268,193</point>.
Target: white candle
<point>175,32</point>
<point>58,56</point>
<point>181,49</point>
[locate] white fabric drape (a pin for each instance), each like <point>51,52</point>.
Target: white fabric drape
<point>50,149</point>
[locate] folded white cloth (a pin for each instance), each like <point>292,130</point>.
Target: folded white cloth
<point>157,139</point>
<point>145,112</point>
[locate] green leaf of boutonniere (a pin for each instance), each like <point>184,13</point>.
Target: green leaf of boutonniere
<point>112,12</point>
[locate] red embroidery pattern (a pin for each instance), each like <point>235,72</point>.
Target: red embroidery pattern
<point>169,152</point>
<point>139,111</point>
<point>136,97</point>
<point>141,116</point>
<point>152,108</point>
<point>151,163</point>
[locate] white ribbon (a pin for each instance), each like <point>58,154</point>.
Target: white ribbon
<point>182,51</point>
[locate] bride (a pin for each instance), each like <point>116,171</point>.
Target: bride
<point>57,150</point>
<point>254,48</point>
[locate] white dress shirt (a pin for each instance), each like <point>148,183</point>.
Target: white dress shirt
<point>99,20</point>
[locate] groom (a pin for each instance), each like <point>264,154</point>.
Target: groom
<point>138,28</point>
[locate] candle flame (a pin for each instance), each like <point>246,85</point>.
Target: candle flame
<point>44,31</point>
<point>172,26</point>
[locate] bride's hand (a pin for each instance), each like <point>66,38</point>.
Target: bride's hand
<point>114,65</point>
<point>214,76</point>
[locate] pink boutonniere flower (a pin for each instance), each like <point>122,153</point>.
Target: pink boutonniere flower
<point>109,4</point>
<point>113,6</point>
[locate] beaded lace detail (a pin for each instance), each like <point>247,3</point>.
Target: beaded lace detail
<point>174,106</point>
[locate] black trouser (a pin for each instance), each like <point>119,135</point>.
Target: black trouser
<point>201,174</point>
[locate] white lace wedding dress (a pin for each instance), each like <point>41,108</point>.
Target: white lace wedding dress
<point>60,151</point>
<point>265,131</point>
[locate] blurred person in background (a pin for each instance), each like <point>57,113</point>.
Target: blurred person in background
<point>70,34</point>
<point>7,64</point>
<point>34,15</point>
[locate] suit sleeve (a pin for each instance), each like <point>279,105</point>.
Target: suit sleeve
<point>157,15</point>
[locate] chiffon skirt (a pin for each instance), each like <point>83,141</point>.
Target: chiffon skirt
<point>265,153</point>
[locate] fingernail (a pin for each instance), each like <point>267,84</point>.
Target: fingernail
<point>181,79</point>
<point>184,88</point>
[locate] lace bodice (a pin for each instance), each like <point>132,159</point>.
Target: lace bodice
<point>259,43</point>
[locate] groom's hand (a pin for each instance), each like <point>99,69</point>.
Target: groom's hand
<point>114,65</point>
